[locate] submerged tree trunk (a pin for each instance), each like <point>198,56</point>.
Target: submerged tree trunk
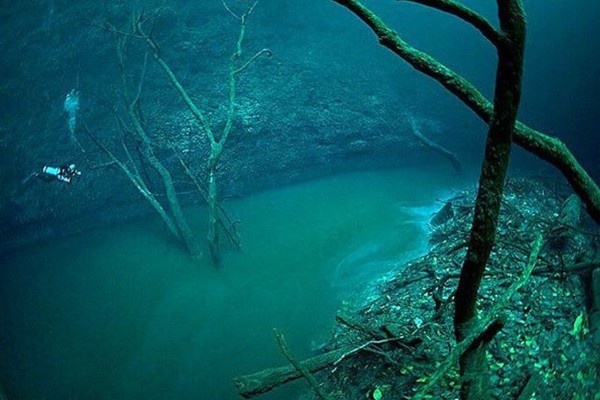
<point>216,142</point>
<point>185,233</point>
<point>489,196</point>
<point>213,219</point>
<point>501,118</point>
<point>548,148</point>
<point>137,181</point>
<point>176,217</point>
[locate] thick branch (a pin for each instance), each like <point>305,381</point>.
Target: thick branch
<point>546,147</point>
<point>495,163</point>
<point>139,184</point>
<point>225,220</point>
<point>180,89</point>
<point>421,61</point>
<point>133,110</point>
<point>173,200</point>
<point>492,181</point>
<point>466,14</point>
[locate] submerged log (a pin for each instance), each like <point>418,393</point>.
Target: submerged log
<point>266,380</point>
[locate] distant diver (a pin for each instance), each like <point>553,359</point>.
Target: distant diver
<point>64,173</point>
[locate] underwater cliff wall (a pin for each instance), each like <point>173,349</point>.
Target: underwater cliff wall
<point>329,100</point>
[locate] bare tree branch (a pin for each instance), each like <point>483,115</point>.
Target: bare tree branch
<point>466,14</point>
<point>266,52</point>
<point>298,366</point>
<point>546,147</point>
<point>226,6</point>
<point>138,183</point>
<point>416,131</point>
<point>178,86</point>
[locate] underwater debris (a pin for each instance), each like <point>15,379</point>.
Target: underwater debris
<point>400,337</point>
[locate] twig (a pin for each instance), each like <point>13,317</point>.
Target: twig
<point>358,327</point>
<point>111,29</point>
<point>267,52</point>
<point>305,373</point>
<point>229,10</point>
<point>362,346</point>
<point>250,9</point>
<point>77,143</point>
<point>384,355</point>
<point>430,144</point>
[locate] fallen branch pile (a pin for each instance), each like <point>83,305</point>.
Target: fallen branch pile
<point>400,343</point>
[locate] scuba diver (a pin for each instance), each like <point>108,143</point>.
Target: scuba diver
<point>64,173</point>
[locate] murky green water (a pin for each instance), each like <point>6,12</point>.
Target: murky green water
<point>122,313</point>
